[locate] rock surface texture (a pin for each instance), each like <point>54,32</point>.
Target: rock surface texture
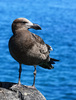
<point>12,91</point>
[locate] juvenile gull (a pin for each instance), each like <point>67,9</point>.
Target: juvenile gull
<point>28,48</point>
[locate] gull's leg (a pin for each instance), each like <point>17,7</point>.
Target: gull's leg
<point>20,69</point>
<point>19,83</point>
<point>34,76</point>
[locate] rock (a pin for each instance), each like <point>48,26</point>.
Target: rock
<point>12,91</point>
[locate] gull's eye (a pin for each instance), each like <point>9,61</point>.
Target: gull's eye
<point>24,22</point>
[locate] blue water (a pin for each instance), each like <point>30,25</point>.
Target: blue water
<point>58,21</point>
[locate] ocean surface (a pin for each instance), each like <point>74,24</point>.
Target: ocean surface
<point>58,21</point>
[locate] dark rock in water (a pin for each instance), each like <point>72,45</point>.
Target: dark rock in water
<point>12,91</point>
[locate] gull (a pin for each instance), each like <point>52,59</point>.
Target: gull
<point>28,48</point>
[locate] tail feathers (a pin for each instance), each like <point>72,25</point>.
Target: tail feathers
<point>53,59</point>
<point>48,65</point>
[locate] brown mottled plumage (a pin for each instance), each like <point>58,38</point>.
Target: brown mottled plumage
<point>28,48</point>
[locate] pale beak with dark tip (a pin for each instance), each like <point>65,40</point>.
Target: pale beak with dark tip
<point>36,27</point>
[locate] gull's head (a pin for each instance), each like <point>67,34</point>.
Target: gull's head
<point>24,23</point>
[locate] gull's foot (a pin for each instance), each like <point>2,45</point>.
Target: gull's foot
<point>15,86</point>
<point>30,87</point>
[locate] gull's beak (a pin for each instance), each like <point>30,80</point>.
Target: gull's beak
<point>36,27</point>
